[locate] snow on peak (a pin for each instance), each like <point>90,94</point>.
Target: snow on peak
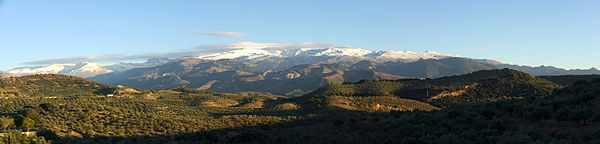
<point>242,53</point>
<point>412,55</point>
<point>84,69</point>
<point>44,69</point>
<point>250,54</point>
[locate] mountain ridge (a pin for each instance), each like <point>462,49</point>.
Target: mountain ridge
<point>282,59</point>
<point>294,81</point>
<point>6,74</point>
<point>84,69</point>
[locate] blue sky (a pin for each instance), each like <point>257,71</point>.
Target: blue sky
<point>563,33</point>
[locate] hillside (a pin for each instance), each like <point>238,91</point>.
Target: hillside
<point>233,76</point>
<point>299,80</point>
<point>477,87</point>
<point>569,116</point>
<point>566,80</point>
<point>76,110</point>
<point>505,101</point>
<point>189,72</point>
<point>50,85</point>
<point>431,68</point>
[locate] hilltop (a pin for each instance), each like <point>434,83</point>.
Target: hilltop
<point>477,87</point>
<point>50,85</point>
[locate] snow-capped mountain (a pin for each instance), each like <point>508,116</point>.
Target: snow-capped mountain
<point>6,74</point>
<point>278,59</point>
<point>84,69</point>
<point>249,54</point>
<point>43,69</point>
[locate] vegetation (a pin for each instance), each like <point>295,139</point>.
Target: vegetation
<point>566,80</point>
<point>495,106</point>
<point>477,87</point>
<point>45,86</point>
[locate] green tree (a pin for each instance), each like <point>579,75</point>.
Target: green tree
<point>49,107</point>
<point>19,138</point>
<point>6,122</point>
<point>33,114</point>
<point>561,115</point>
<point>48,134</point>
<point>580,114</point>
<point>24,122</point>
<point>28,123</point>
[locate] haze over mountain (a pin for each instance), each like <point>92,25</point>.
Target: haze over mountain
<point>84,69</point>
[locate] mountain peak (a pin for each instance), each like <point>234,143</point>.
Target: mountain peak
<point>84,69</point>
<point>250,54</point>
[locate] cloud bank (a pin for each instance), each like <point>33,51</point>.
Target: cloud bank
<point>218,34</point>
<point>255,45</point>
<point>87,58</point>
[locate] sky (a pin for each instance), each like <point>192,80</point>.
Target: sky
<point>563,33</point>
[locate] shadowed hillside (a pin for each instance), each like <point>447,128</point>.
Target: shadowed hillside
<point>566,80</point>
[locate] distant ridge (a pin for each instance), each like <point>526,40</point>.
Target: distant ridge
<point>550,70</point>
<point>231,76</point>
<point>567,80</point>
<point>84,69</point>
<point>278,59</point>
<point>402,63</point>
<point>6,74</point>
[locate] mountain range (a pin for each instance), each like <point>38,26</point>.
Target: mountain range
<point>84,69</point>
<point>290,72</point>
<point>278,59</point>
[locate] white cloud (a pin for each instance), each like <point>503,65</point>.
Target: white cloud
<point>255,45</point>
<point>219,34</point>
<point>122,57</point>
<point>88,58</point>
<point>174,54</point>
